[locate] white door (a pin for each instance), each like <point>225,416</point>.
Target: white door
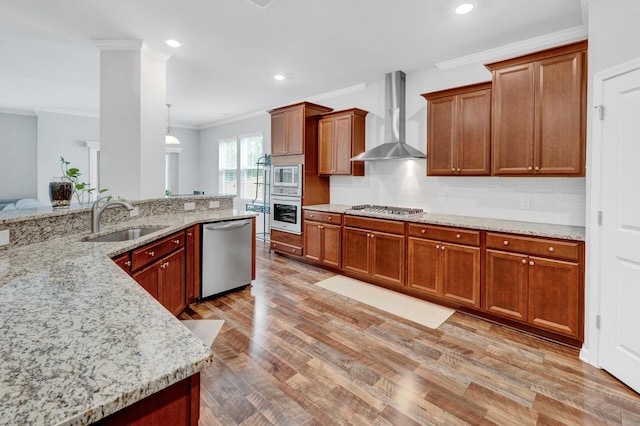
<point>620,230</point>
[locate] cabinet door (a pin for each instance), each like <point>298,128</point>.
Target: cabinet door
<point>507,284</point>
<point>554,293</point>
<point>278,134</point>
<point>512,118</point>
<point>124,261</point>
<point>461,274</point>
<point>473,125</point>
<point>441,134</point>
<point>559,115</point>
<point>331,242</point>
<point>356,250</point>
<point>193,263</point>
<point>387,257</point>
<point>342,144</point>
<point>148,278</point>
<point>325,146</point>
<point>294,131</point>
<point>312,241</point>
<point>424,261</point>
<point>172,289</point>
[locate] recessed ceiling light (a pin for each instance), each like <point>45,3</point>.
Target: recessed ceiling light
<point>279,77</point>
<point>464,8</point>
<point>174,43</point>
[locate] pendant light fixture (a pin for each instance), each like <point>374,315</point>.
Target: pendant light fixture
<point>170,139</point>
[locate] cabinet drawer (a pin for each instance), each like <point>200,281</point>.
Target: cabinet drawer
<point>537,246</point>
<point>154,251</point>
<point>286,248</point>
<point>382,225</point>
<point>441,233</point>
<point>324,217</point>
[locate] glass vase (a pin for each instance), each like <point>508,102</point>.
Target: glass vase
<point>60,192</point>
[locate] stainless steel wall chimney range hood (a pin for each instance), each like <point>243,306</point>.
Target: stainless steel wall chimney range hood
<point>394,147</point>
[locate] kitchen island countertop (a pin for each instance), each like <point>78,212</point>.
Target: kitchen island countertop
<point>566,232</point>
<point>80,339</point>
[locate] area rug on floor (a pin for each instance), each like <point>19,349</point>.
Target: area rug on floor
<point>206,330</point>
<point>416,310</point>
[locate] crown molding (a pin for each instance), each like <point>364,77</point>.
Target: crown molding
<point>29,113</point>
<point>118,44</point>
<point>514,49</point>
<point>68,112</point>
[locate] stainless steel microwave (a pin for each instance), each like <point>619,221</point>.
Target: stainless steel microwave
<point>286,180</point>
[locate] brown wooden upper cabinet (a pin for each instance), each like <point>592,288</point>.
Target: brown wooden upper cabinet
<point>340,137</point>
<point>288,127</point>
<point>538,113</point>
<point>459,130</point>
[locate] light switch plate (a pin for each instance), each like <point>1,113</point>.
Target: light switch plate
<point>4,237</point>
<point>189,206</point>
<point>214,204</point>
<point>133,212</point>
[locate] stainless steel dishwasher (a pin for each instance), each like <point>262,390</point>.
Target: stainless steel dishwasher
<point>226,257</point>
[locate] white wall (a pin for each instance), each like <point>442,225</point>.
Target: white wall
<point>18,159</point>
<point>189,166</point>
<point>62,135</point>
<point>209,145</point>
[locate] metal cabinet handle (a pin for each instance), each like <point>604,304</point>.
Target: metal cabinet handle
<point>176,241</point>
<point>151,253</point>
<point>458,236</point>
<point>505,242</point>
<point>551,249</point>
<point>442,248</point>
<point>424,231</point>
<point>524,261</point>
<point>127,263</point>
<point>453,169</point>
<point>437,246</point>
<point>531,263</point>
<point>329,218</point>
<point>189,234</point>
<point>293,251</point>
<point>458,170</point>
<point>310,215</point>
<point>372,235</point>
<point>537,168</point>
<point>529,168</point>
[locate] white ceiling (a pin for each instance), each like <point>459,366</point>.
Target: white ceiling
<point>231,48</point>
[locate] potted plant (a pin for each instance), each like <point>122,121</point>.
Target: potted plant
<point>70,181</point>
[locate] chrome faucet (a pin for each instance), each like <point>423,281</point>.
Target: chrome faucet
<point>97,211</point>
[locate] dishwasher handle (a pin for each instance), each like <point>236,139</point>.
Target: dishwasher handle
<point>227,226</point>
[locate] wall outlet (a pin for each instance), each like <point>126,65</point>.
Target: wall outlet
<point>214,204</point>
<point>189,206</point>
<point>133,212</point>
<point>4,237</point>
<point>442,198</point>
<point>525,203</point>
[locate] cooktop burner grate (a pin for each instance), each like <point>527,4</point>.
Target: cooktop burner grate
<point>388,210</point>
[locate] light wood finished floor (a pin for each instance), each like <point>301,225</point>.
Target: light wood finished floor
<point>291,353</point>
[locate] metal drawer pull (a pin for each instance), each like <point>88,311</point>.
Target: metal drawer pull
<point>329,217</point>
<point>551,249</point>
<point>310,215</point>
<point>151,253</point>
<point>176,241</point>
<point>442,247</point>
<point>531,263</point>
<point>437,246</point>
<point>424,231</point>
<point>127,263</point>
<point>524,261</point>
<point>505,242</point>
<point>537,168</point>
<point>189,234</point>
<point>529,168</point>
<point>457,235</point>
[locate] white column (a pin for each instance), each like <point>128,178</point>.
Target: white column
<point>132,118</point>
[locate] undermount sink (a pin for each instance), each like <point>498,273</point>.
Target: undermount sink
<point>124,235</point>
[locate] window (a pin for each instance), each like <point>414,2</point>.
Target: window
<point>238,171</point>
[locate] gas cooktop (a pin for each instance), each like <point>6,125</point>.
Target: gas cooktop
<point>388,211</point>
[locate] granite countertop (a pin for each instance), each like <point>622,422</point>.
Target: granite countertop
<point>567,232</point>
<point>80,339</point>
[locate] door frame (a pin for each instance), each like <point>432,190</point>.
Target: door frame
<point>590,352</point>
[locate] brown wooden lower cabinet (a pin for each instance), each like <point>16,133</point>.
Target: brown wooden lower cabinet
<point>546,292</point>
<point>446,270</point>
<point>286,242</point>
<point>322,243</point>
<point>178,404</point>
<point>372,252</point>
<point>165,280</point>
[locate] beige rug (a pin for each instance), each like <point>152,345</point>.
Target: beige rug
<point>205,330</point>
<point>416,310</point>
